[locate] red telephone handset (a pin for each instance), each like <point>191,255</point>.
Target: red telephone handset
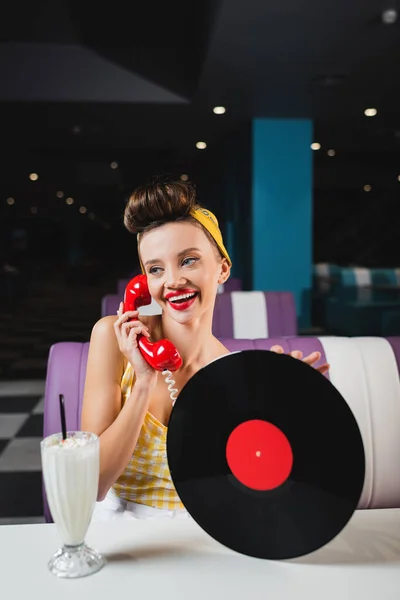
<point>161,355</point>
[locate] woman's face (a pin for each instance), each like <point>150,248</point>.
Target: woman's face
<point>183,269</point>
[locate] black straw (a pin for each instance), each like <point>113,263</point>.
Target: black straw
<point>62,414</point>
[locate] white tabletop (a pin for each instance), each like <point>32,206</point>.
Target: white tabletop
<point>175,559</point>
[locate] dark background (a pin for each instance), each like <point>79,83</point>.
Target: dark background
<point>84,84</point>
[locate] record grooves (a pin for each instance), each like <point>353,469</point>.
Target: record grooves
<point>265,454</point>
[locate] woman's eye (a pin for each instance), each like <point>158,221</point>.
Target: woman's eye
<point>154,270</point>
<point>189,261</point>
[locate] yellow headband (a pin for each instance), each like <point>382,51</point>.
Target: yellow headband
<point>209,221</point>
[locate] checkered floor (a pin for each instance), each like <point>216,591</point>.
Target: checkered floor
<point>21,429</point>
<point>54,311</point>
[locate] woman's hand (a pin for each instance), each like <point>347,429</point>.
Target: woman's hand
<point>127,329</point>
<point>311,359</point>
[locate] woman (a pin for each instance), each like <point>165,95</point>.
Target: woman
<point>127,403</point>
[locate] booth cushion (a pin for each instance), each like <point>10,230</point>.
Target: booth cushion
<point>254,315</point>
<point>364,370</point>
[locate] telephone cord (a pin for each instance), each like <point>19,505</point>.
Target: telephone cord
<point>168,379</point>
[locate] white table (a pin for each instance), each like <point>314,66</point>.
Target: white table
<point>175,559</point>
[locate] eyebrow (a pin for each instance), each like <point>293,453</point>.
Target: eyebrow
<point>181,253</point>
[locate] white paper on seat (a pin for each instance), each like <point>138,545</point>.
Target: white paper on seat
<point>250,317</point>
<point>150,309</point>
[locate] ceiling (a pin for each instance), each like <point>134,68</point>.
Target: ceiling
<point>85,83</point>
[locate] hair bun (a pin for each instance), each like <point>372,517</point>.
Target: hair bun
<point>157,202</point>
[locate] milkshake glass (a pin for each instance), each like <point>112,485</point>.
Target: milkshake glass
<point>71,479</point>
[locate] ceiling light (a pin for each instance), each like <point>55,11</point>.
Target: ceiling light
<point>367,188</point>
<point>201,145</point>
<point>60,194</point>
<point>370,112</point>
<point>219,110</point>
<point>389,16</point>
<point>184,177</point>
<point>10,201</point>
<point>82,209</point>
<point>315,146</point>
<point>114,165</point>
<point>331,152</point>
<point>398,177</point>
<point>33,176</point>
<point>34,210</point>
<point>69,201</point>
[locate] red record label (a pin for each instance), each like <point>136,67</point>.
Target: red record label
<point>259,455</point>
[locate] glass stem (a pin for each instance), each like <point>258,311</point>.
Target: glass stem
<point>73,549</point>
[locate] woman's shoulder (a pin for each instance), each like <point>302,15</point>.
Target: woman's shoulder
<point>220,345</point>
<point>103,332</point>
<point>220,349</point>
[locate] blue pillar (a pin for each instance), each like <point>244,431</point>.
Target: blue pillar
<point>282,209</point>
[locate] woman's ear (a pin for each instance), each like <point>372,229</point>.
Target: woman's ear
<point>225,271</point>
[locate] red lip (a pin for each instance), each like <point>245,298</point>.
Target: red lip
<point>179,293</point>
<point>183,305</point>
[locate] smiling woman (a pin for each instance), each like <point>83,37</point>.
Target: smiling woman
<point>127,403</point>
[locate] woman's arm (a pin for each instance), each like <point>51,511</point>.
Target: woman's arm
<point>117,428</point>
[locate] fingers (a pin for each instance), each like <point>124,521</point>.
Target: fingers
<point>134,328</point>
<point>280,350</point>
<point>125,316</point>
<point>127,327</point>
<point>277,349</point>
<point>312,358</point>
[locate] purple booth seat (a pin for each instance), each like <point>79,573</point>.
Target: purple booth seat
<point>233,284</point>
<point>122,283</point>
<point>254,315</point>
<point>364,370</point>
<point>66,372</point>
<point>237,314</point>
<point>110,304</point>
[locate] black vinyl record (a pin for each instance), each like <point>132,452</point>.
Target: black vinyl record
<point>265,454</point>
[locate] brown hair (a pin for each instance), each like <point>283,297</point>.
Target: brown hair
<point>160,201</point>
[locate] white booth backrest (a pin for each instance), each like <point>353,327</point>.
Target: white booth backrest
<point>365,372</point>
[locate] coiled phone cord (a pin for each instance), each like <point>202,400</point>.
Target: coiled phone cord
<point>168,379</point>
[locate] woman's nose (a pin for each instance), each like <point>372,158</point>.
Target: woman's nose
<point>173,278</point>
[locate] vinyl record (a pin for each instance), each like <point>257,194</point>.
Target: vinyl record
<point>265,454</point>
